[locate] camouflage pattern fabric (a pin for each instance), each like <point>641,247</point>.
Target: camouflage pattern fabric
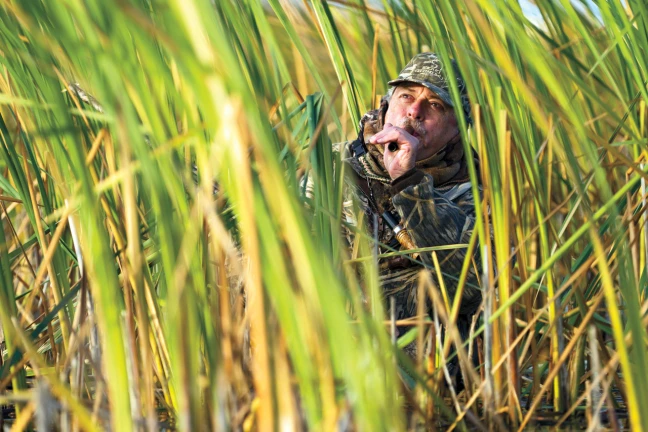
<point>433,216</point>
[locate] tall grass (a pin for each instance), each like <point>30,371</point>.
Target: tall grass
<point>136,294</point>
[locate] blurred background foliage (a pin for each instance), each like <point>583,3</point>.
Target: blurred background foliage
<point>161,268</point>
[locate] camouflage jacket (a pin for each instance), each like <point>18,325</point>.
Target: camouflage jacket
<point>434,216</point>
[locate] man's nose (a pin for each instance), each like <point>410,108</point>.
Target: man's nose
<point>415,110</point>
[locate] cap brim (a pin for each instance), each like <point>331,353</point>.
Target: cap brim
<point>444,95</point>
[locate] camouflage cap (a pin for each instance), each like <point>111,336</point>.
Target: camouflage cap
<point>426,69</point>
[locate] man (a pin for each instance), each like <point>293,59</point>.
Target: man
<point>412,169</point>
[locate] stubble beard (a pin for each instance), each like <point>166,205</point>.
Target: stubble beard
<point>412,126</point>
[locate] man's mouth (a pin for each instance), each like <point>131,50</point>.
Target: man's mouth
<point>412,130</point>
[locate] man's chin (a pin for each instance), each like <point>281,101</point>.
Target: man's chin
<point>427,151</point>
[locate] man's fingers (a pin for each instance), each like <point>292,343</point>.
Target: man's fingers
<point>402,157</point>
<point>389,135</point>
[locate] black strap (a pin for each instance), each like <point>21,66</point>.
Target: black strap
<point>358,148</point>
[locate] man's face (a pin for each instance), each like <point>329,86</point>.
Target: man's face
<point>419,110</point>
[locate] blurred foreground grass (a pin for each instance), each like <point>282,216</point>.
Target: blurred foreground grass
<point>133,297</point>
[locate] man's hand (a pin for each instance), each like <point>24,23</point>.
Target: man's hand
<point>403,159</point>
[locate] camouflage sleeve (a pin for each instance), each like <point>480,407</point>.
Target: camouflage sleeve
<point>441,216</point>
